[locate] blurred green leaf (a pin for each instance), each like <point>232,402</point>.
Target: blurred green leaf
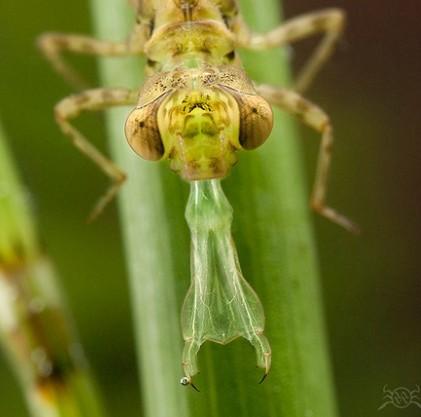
<point>36,333</point>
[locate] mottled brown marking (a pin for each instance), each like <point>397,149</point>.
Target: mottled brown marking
<point>61,42</point>
<point>178,50</point>
<point>292,32</point>
<point>57,380</point>
<point>81,99</point>
<point>328,148</point>
<point>187,7</point>
<point>325,125</point>
<point>319,23</point>
<point>172,154</point>
<point>230,56</point>
<point>14,262</point>
<point>228,7</point>
<point>205,49</point>
<point>256,119</point>
<point>217,167</point>
<point>88,48</point>
<point>142,132</point>
<point>108,96</point>
<point>302,106</point>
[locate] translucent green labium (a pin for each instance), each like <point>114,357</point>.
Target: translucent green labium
<point>220,305</point>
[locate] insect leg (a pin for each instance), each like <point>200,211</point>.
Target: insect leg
<point>52,46</point>
<point>97,99</point>
<point>329,22</point>
<point>317,119</point>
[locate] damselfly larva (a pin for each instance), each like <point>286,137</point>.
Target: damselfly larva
<point>197,109</point>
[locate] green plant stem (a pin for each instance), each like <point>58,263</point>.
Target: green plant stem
<point>276,250</point>
<point>35,331</point>
<point>281,259</point>
<point>144,208</point>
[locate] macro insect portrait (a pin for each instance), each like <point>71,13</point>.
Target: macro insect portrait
<point>216,149</point>
<point>198,109</point>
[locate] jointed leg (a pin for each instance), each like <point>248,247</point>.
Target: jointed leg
<point>98,99</point>
<point>317,119</point>
<point>330,22</point>
<point>52,45</point>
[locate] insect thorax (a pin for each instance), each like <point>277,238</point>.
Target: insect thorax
<point>175,40</point>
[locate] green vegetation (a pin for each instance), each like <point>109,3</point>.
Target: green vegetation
<point>35,330</point>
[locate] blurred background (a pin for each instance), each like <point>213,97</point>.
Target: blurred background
<point>372,288</point>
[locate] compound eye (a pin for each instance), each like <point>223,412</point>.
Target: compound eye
<point>142,132</point>
<point>256,120</point>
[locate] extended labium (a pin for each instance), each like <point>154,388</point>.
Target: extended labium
<point>220,305</point>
